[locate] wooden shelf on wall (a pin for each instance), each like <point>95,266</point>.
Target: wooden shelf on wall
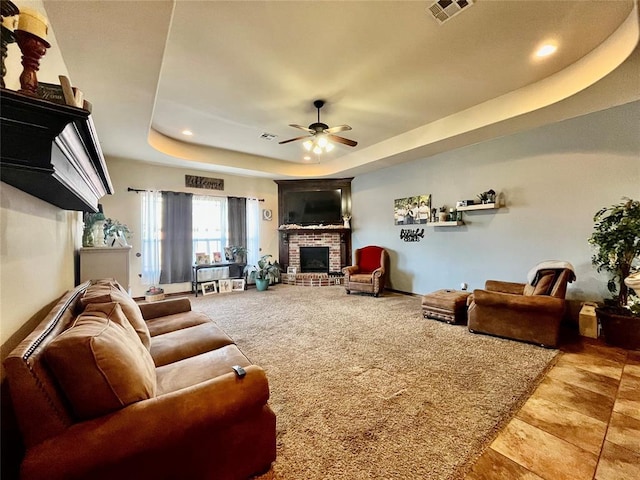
<point>446,224</point>
<point>479,206</point>
<point>52,152</point>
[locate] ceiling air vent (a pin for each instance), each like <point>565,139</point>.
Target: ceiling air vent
<point>443,10</point>
<point>268,136</point>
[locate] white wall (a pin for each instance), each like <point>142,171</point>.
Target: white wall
<point>554,179</point>
<point>125,206</point>
<point>37,248</point>
<point>38,241</point>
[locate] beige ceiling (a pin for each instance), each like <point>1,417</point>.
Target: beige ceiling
<point>409,87</point>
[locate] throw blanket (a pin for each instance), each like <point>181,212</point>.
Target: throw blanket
<point>532,276</point>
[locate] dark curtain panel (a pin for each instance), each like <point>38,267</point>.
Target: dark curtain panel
<point>237,211</point>
<point>177,241</point>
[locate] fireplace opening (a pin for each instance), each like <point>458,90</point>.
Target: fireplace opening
<point>314,259</point>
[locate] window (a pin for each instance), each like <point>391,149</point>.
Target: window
<point>209,224</point>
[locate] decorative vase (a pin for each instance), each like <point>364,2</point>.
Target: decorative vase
<point>442,216</point>
<point>98,234</point>
<point>262,284</point>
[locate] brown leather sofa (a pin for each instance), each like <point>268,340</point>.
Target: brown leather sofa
<point>530,312</point>
<point>104,388</point>
<point>369,270</point>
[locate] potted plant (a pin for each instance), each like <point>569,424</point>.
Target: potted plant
<point>265,272</point>
<point>442,214</point>
<point>93,232</point>
<point>116,233</point>
<point>239,253</point>
<point>616,238</point>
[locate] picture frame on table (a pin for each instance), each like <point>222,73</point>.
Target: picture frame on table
<point>202,258</point>
<point>237,285</point>
<point>208,288</point>
<point>217,257</point>
<point>225,285</point>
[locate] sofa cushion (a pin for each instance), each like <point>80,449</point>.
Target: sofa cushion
<point>543,285</point>
<point>106,291</point>
<point>187,342</point>
<point>200,368</point>
<point>99,366</point>
<point>177,321</point>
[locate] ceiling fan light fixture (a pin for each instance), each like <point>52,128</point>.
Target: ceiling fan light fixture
<point>322,141</point>
<point>317,150</point>
<point>308,145</point>
<point>328,147</point>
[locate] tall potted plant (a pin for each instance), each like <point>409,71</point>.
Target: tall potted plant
<point>616,238</point>
<point>265,272</point>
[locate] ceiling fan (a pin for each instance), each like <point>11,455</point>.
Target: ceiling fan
<point>320,134</point>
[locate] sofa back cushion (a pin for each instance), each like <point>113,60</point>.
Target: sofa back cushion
<point>108,291</point>
<point>545,281</point>
<point>99,365</point>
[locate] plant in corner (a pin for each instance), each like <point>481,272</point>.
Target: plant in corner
<point>616,238</point>
<point>265,272</point>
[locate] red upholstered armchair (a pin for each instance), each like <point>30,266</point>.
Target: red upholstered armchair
<point>369,270</point>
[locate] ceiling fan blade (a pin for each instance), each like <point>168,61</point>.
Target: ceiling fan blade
<point>301,128</point>
<point>343,140</point>
<point>294,139</point>
<point>336,129</point>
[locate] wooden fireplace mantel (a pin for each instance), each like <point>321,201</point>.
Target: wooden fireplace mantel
<point>52,152</point>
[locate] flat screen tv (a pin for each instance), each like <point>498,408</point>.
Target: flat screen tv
<point>313,207</point>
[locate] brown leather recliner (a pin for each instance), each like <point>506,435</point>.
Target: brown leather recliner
<point>369,270</point>
<point>530,312</point>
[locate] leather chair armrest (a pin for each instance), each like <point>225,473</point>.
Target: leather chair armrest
<point>165,307</point>
<point>351,270</point>
<point>533,303</point>
<point>147,429</point>
<point>504,287</point>
<point>378,272</point>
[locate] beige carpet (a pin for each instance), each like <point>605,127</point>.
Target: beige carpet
<point>366,388</point>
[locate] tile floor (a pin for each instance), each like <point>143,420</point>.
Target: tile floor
<point>582,422</point>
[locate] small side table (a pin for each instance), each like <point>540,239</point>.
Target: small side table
<point>446,305</point>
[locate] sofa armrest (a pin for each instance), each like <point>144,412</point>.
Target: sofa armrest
<point>165,307</point>
<point>149,430</point>
<point>504,287</point>
<point>533,303</point>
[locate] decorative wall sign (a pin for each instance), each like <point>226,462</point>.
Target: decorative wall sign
<point>267,214</point>
<point>194,181</point>
<point>412,210</point>
<point>410,235</point>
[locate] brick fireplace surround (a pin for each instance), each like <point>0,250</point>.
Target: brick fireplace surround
<point>312,239</point>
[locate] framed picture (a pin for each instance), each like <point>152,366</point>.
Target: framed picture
<point>292,270</point>
<point>228,254</point>
<point>412,210</point>
<point>224,285</point>
<point>208,288</point>
<point>237,285</point>
<point>202,259</point>
<point>267,214</point>
<point>217,257</point>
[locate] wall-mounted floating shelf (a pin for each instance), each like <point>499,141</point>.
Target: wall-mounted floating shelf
<point>479,206</point>
<point>445,224</point>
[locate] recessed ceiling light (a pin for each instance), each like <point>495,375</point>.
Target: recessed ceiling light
<point>188,133</point>
<point>546,50</point>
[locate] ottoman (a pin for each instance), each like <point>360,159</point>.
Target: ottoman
<point>447,305</point>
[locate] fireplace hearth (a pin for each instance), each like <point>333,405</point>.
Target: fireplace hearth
<point>314,259</point>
